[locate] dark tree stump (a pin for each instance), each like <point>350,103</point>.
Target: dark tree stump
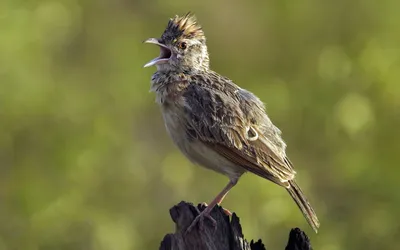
<point>226,236</point>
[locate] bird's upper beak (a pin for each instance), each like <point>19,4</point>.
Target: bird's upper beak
<point>165,53</point>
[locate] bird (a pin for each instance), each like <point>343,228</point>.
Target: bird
<point>215,123</point>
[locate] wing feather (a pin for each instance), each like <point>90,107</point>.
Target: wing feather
<point>223,116</point>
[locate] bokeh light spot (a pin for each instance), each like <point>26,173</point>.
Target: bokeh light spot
<point>334,64</point>
<point>354,113</point>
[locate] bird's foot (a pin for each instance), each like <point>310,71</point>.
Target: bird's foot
<point>226,211</point>
<point>200,219</point>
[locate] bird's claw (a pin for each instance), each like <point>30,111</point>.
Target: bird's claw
<point>200,219</point>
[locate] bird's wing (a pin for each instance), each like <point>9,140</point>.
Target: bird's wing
<point>227,120</point>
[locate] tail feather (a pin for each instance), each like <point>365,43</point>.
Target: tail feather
<point>305,207</point>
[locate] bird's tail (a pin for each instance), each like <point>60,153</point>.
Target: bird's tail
<point>305,207</point>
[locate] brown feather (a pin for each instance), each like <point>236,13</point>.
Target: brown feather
<point>185,26</point>
<point>236,156</point>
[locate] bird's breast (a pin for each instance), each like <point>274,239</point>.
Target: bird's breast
<point>195,150</point>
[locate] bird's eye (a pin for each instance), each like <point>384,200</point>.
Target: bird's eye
<point>182,45</point>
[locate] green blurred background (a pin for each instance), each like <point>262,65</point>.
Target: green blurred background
<point>85,162</point>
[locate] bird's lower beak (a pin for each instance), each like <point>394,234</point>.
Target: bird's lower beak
<point>165,53</point>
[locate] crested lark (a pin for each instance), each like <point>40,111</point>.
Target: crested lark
<point>214,122</point>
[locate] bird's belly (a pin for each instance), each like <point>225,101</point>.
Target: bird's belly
<point>196,151</point>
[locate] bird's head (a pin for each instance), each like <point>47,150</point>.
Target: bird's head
<point>182,46</point>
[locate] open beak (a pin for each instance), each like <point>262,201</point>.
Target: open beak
<point>165,53</point>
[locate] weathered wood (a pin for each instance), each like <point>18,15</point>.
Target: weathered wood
<point>226,236</point>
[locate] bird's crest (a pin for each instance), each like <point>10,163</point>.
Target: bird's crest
<point>183,27</point>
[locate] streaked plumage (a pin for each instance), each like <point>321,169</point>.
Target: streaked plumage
<point>215,123</point>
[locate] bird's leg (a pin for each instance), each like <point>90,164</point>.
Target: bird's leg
<point>226,211</point>
<point>206,212</point>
